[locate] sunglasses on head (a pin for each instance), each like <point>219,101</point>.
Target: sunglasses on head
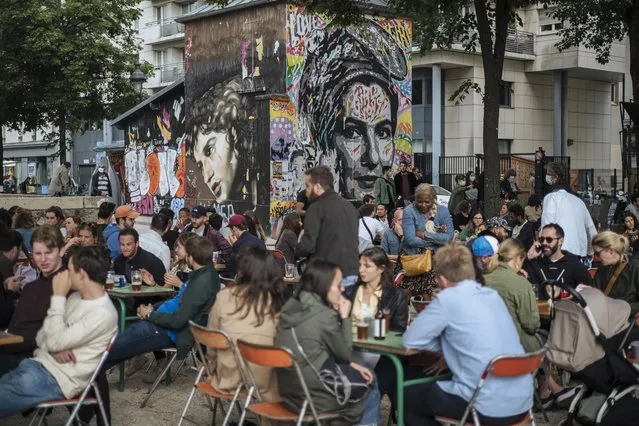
<point>547,239</point>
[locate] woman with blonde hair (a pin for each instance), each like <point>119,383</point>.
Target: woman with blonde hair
<point>618,277</point>
<point>516,291</point>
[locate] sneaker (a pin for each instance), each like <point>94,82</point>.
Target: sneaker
<point>565,397</point>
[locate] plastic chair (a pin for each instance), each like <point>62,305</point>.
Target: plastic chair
<point>212,339</point>
<point>83,399</point>
<point>275,357</point>
<point>508,366</point>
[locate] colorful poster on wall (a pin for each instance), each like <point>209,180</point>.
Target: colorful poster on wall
<point>348,106</point>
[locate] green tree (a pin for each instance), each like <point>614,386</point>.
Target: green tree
<point>70,60</point>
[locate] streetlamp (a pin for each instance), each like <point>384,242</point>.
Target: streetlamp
<point>137,78</point>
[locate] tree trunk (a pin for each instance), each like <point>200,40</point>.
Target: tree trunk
<point>62,141</point>
<point>493,60</point>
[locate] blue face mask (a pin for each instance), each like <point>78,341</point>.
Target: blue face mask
<point>549,179</point>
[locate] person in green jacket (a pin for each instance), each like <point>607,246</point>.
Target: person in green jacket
<point>167,325</point>
<point>384,192</point>
<point>315,325</point>
<point>458,195</point>
<point>516,292</point>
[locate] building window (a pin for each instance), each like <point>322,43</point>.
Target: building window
<point>160,58</point>
<point>429,92</point>
<point>614,93</point>
<point>548,28</point>
<point>188,8</point>
<point>503,145</point>
<point>418,92</point>
<point>506,94</point>
<point>158,14</point>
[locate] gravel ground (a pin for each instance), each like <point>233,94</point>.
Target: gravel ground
<point>167,403</point>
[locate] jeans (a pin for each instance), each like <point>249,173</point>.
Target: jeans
<point>27,386</point>
<point>10,362</point>
<point>423,402</point>
<point>140,338</point>
<point>372,414</point>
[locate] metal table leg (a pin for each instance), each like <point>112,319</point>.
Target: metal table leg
<point>122,326</point>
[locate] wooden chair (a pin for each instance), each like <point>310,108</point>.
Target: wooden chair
<point>275,357</point>
<point>217,340</point>
<point>507,366</point>
<point>83,399</point>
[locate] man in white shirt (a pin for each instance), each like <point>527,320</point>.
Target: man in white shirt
<point>369,227</point>
<point>567,210</point>
<point>72,339</point>
<point>152,242</point>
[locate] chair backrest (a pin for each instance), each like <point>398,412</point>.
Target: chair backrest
<point>277,254</point>
<point>399,278</point>
<point>215,339</point>
<point>515,365</point>
<point>228,282</point>
<point>267,356</point>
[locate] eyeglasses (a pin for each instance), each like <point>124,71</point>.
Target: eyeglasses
<point>547,239</point>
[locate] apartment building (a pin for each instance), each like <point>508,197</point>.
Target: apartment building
<point>565,102</point>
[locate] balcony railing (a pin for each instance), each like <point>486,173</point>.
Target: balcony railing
<point>168,27</point>
<point>517,41</point>
<point>171,72</point>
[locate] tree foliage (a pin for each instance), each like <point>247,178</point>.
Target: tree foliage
<point>66,63</point>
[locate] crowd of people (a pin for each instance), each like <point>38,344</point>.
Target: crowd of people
<point>482,279</point>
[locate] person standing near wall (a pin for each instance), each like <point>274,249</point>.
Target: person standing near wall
<point>61,181</point>
<point>384,191</point>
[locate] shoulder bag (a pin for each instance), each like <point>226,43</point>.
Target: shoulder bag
<point>343,386</point>
<point>613,279</point>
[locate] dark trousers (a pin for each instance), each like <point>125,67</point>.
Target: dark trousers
<point>423,402</point>
<point>139,338</point>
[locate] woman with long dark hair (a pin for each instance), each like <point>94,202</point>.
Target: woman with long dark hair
<point>287,241</point>
<point>631,230</point>
<point>254,225</point>
<point>376,284</point>
<point>249,311</point>
<point>179,272</point>
<point>315,325</point>
<point>23,223</point>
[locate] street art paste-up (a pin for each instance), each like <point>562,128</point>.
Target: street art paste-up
<point>348,106</point>
<point>154,159</point>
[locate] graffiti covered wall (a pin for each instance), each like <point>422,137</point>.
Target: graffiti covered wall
<point>232,61</point>
<point>155,154</point>
<point>348,105</point>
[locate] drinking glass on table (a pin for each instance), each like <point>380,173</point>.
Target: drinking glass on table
<point>136,280</point>
<point>289,270</point>
<point>108,285</point>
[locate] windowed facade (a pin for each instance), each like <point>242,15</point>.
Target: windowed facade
<point>503,145</point>
<point>506,94</point>
<point>418,92</point>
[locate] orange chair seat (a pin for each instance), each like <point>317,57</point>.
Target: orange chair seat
<point>447,420</point>
<point>277,411</point>
<point>208,389</point>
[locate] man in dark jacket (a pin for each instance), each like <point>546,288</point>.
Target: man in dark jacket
<point>10,247</point>
<point>523,230</point>
<point>240,237</point>
<point>135,257</point>
<point>546,261</point>
<point>29,314</point>
<point>405,184</point>
<point>330,226</point>
<point>167,324</point>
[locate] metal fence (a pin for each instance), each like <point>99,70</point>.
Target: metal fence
<point>171,72</point>
<point>521,42</point>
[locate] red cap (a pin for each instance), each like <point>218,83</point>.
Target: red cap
<point>236,219</point>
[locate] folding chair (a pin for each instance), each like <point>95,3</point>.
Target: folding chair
<point>172,356</point>
<point>227,282</point>
<point>212,339</point>
<point>508,366</point>
<point>275,357</point>
<point>82,399</point>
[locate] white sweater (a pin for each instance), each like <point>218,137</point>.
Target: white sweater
<point>85,327</point>
<point>570,212</point>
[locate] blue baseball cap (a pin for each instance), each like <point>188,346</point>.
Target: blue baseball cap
<point>485,246</point>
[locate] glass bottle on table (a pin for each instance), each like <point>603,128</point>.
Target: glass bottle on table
<point>380,322</point>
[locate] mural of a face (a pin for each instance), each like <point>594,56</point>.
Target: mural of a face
<point>217,160</point>
<point>364,137</point>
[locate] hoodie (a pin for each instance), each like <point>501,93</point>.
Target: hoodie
<point>322,334</point>
<point>111,236</point>
<point>574,272</point>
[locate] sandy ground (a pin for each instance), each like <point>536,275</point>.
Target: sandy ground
<point>167,403</point>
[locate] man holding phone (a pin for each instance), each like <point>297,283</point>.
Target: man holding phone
<point>546,261</point>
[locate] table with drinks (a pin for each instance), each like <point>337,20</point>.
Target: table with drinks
<point>118,289</point>
<point>374,336</point>
<point>10,339</point>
